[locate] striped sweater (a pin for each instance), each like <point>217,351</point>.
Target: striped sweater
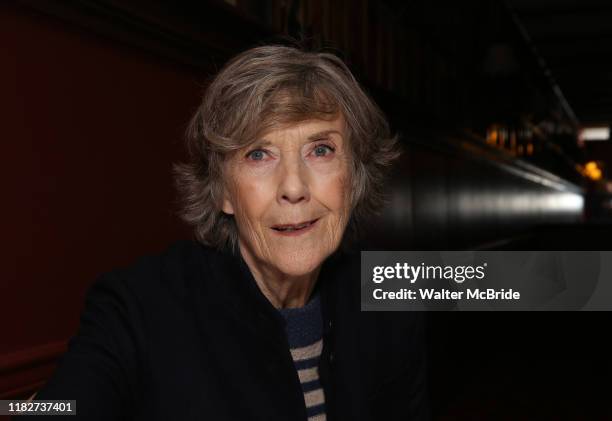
<point>304,328</point>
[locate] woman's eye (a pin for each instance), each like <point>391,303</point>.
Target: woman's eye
<point>256,155</point>
<point>323,150</point>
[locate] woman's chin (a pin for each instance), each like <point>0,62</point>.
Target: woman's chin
<point>298,265</point>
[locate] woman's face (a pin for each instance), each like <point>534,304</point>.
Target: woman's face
<point>289,195</point>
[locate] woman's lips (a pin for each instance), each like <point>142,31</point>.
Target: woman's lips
<point>291,230</point>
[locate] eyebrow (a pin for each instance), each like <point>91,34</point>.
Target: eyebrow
<point>323,133</point>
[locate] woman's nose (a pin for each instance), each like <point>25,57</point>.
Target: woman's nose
<point>293,183</point>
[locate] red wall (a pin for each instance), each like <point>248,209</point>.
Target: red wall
<point>89,130</point>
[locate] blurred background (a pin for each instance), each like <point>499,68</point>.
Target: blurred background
<point>503,108</point>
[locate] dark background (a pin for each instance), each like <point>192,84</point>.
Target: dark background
<point>489,98</point>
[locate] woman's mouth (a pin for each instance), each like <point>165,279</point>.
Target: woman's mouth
<point>294,229</point>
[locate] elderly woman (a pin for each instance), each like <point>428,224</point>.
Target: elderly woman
<point>259,319</point>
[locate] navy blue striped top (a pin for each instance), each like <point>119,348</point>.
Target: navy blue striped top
<point>304,328</point>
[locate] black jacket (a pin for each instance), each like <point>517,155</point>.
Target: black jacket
<point>189,336</point>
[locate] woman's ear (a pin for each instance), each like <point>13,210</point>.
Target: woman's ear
<point>227,206</point>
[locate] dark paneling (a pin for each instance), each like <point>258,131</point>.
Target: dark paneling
<point>90,128</point>
<point>191,33</point>
<point>458,194</point>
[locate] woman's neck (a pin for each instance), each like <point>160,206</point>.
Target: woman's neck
<point>282,290</point>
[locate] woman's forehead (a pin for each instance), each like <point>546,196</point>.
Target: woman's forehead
<point>307,130</point>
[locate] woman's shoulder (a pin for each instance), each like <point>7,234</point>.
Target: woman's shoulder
<point>172,273</point>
